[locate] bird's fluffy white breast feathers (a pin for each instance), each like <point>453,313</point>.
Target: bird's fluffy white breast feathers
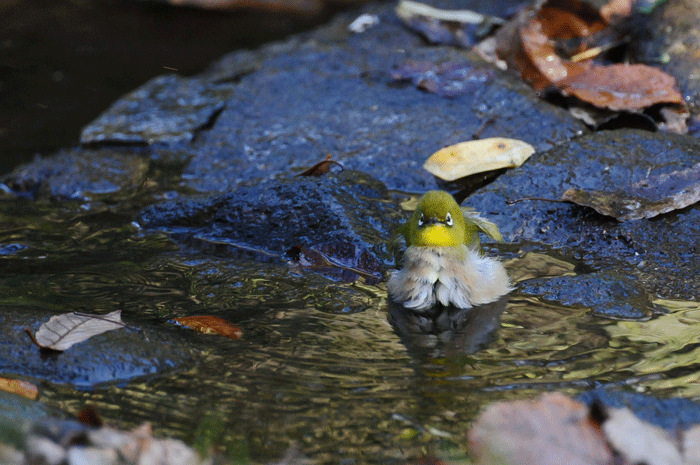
<point>456,276</point>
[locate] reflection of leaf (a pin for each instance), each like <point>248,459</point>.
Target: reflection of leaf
<point>536,265</point>
<point>321,168</point>
<point>650,197</point>
<point>328,259</point>
<point>22,388</point>
<point>63,331</point>
<point>209,324</point>
<point>477,156</point>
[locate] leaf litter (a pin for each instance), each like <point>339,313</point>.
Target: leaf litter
<point>555,429</point>
<point>565,48</point>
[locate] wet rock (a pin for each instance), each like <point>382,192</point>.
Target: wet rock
<point>79,174</point>
<point>258,114</point>
<point>345,208</point>
<point>659,253</point>
<point>607,293</point>
<point>166,109</point>
<point>671,414</point>
<point>116,356</point>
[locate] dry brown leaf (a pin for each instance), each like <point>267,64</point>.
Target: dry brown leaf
<point>321,168</point>
<point>21,388</point>
<point>63,331</point>
<point>477,156</point>
<point>551,430</point>
<point>622,87</point>
<point>209,324</point>
<point>650,197</point>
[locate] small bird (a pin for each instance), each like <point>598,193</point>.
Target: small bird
<point>444,263</point>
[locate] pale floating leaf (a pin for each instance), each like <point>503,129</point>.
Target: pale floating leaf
<point>477,156</point>
<point>63,331</point>
<point>639,442</point>
<point>650,197</point>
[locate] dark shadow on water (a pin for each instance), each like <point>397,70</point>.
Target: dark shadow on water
<point>449,331</point>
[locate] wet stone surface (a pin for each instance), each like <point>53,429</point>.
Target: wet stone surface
<point>308,212</point>
<point>658,253</point>
<point>98,360</point>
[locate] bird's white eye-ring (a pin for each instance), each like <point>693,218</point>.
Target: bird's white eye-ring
<point>420,220</point>
<point>448,219</point>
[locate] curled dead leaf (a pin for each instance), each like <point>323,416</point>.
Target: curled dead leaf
<point>321,168</point>
<point>477,156</point>
<point>622,87</point>
<point>63,331</point>
<point>209,324</point>
<point>650,197</point>
<point>19,387</point>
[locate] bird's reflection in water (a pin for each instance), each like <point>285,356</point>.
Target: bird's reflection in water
<point>446,330</point>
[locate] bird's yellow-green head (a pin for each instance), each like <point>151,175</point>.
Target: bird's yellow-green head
<point>439,222</point>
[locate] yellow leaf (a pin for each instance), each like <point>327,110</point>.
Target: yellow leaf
<point>477,156</point>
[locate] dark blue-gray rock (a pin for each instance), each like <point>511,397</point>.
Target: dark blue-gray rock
<point>659,253</point>
<point>347,207</point>
<point>608,293</point>
<point>80,174</point>
<point>166,109</point>
<point>111,357</point>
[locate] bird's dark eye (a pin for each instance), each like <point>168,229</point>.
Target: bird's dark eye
<point>420,220</point>
<point>448,219</point>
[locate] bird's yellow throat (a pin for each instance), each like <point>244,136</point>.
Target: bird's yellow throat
<point>437,235</point>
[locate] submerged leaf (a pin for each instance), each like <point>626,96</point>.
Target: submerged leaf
<point>477,156</point>
<point>19,387</point>
<point>63,331</point>
<point>650,197</point>
<point>209,324</point>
